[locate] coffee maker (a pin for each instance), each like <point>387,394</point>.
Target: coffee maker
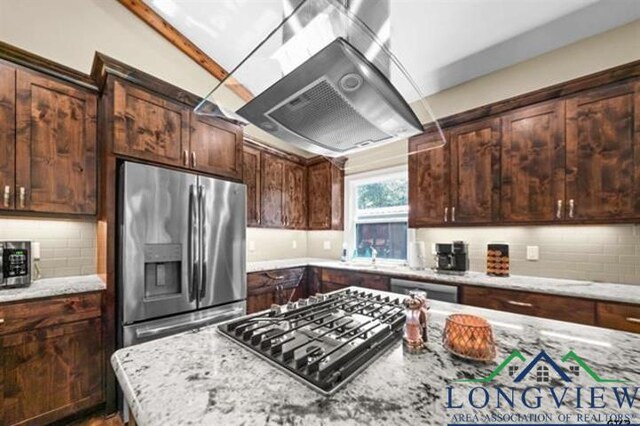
<point>452,257</point>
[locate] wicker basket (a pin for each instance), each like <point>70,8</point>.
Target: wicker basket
<point>469,337</point>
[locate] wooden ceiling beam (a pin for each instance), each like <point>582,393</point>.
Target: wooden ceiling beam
<point>175,37</point>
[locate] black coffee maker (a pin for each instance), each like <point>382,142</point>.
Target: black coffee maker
<point>452,257</point>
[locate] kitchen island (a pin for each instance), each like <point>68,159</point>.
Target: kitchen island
<point>202,377</point>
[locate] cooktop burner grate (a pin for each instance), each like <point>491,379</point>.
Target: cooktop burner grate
<point>324,340</point>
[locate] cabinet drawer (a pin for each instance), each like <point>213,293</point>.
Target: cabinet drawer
<point>534,304</point>
<point>43,313</point>
<point>267,281</point>
<point>619,316</point>
<point>347,278</point>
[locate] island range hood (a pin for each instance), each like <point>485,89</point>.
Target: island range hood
<point>326,81</point>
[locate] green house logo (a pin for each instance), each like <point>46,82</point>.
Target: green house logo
<point>543,365</point>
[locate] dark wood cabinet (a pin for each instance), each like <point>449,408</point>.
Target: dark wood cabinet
<point>603,153</point>
<point>7,136</point>
<point>325,183</point>
<point>52,361</point>
<point>533,164</point>
<point>216,147</point>
<point>295,196</point>
<point>149,127</point>
<point>535,304</point>
<point>429,180</point>
<point>275,287</point>
<point>272,196</point>
<point>251,177</point>
<point>618,316</point>
<point>349,278</point>
<point>475,172</point>
<point>55,146</point>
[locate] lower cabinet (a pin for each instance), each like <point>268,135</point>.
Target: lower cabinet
<point>619,316</point>
<point>52,359</point>
<point>275,287</point>
<point>534,304</point>
<point>335,280</point>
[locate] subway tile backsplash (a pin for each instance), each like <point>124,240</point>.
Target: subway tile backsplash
<point>608,253</point>
<point>67,247</point>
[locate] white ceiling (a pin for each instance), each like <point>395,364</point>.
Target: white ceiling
<point>441,43</point>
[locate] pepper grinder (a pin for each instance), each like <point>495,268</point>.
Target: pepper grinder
<point>415,327</point>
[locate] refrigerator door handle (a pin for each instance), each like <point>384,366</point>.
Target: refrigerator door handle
<point>193,244</point>
<point>203,241</point>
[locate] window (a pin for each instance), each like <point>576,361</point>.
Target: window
<point>542,374</point>
<point>377,208</point>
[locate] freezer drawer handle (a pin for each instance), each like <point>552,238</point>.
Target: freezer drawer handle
<point>142,333</point>
<point>522,304</point>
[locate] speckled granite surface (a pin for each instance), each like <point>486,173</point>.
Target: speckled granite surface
<point>49,287</point>
<point>626,293</point>
<point>203,378</point>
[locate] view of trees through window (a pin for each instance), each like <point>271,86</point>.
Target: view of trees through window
<point>381,219</point>
<point>389,193</point>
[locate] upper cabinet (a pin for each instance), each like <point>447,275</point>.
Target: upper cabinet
<point>325,184</point>
<point>603,153</point>
<point>216,146</point>
<point>149,127</point>
<point>272,191</point>
<point>574,159</point>
<point>295,196</point>
<point>152,128</point>
<point>429,180</point>
<point>7,135</point>
<point>533,163</point>
<point>48,144</point>
<point>475,172</point>
<point>251,178</point>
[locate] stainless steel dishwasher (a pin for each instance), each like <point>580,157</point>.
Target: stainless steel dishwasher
<point>442,292</point>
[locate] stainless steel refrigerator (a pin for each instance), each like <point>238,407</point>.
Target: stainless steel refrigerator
<point>182,252</point>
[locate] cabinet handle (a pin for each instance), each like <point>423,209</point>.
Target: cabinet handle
<point>453,214</point>
<point>1,320</point>
<point>572,208</point>
<point>274,277</point>
<point>185,157</point>
<point>446,213</point>
<point>559,210</point>
<point>193,159</point>
<point>7,195</point>
<point>633,320</point>
<point>522,304</point>
<point>23,196</point>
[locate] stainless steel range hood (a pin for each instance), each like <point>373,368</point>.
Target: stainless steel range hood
<point>327,82</point>
<point>333,103</point>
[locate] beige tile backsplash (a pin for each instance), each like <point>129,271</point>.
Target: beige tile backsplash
<point>67,247</point>
<point>269,244</point>
<point>595,252</point>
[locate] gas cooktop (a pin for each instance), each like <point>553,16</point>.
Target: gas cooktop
<point>325,340</point>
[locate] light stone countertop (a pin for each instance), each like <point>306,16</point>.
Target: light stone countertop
<point>614,292</point>
<point>49,287</point>
<point>203,378</point>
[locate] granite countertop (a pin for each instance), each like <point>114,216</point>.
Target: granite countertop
<point>614,292</point>
<point>49,287</point>
<point>202,378</point>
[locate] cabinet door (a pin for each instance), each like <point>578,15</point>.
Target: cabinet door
<point>7,136</point>
<point>272,197</point>
<point>295,195</point>
<point>429,180</point>
<point>260,302</point>
<point>475,172</point>
<point>603,153</point>
<point>149,127</point>
<point>319,196</point>
<point>216,147</point>
<point>55,146</point>
<point>251,177</point>
<point>53,372</point>
<point>533,164</point>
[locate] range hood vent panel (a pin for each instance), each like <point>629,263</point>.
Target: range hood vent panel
<point>335,102</point>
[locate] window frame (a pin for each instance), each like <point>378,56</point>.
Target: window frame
<point>351,183</point>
